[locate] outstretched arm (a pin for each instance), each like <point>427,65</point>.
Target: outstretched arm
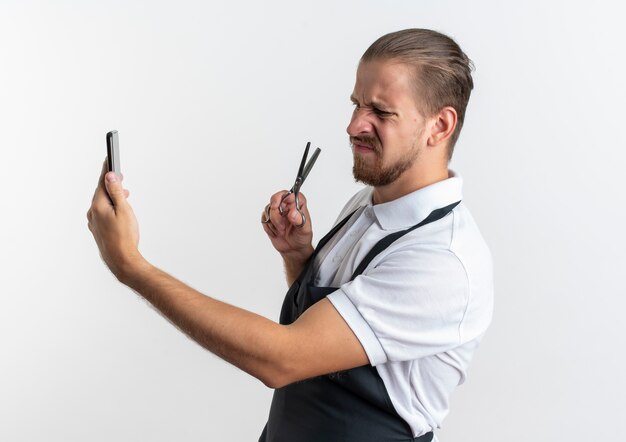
<point>319,342</point>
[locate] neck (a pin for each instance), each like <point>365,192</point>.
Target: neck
<point>408,182</point>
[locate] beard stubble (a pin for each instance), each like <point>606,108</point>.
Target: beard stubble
<point>374,173</point>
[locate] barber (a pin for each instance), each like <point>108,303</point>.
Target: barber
<point>383,315</point>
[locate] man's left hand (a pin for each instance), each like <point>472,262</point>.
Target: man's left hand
<point>113,224</point>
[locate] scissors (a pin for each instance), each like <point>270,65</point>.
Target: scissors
<point>303,172</point>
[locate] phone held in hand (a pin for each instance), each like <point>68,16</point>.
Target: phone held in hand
<point>113,152</point>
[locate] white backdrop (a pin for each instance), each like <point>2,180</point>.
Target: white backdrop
<point>214,102</point>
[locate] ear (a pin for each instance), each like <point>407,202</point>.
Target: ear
<point>443,126</point>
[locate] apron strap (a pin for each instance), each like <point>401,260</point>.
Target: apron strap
<point>322,242</point>
<point>308,266</point>
<point>387,240</point>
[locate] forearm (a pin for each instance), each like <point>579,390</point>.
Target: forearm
<point>294,264</point>
<point>247,340</point>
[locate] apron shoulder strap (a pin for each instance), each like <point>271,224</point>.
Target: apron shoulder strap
<point>322,242</point>
<point>305,274</point>
<point>381,245</point>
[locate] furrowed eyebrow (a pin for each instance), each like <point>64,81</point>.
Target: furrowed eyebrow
<point>375,104</point>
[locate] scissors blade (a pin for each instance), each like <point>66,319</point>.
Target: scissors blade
<point>310,164</point>
<point>303,162</point>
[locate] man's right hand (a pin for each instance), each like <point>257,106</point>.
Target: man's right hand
<point>291,241</point>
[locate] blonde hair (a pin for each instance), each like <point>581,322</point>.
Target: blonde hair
<point>442,71</point>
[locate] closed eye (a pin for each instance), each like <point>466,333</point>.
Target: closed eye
<point>382,113</point>
<point>378,111</point>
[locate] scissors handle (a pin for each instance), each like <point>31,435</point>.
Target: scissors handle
<point>282,212</point>
<point>285,195</point>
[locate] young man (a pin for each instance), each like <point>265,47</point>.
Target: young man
<point>383,316</point>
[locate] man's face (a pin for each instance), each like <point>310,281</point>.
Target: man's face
<point>386,130</point>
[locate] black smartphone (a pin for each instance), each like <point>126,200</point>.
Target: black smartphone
<point>113,152</point>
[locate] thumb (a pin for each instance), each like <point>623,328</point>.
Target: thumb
<point>115,189</point>
<point>295,218</point>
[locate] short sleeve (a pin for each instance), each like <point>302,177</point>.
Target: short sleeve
<point>409,306</point>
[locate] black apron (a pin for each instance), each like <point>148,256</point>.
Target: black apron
<point>347,406</point>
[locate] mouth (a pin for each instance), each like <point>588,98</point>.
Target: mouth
<point>362,148</point>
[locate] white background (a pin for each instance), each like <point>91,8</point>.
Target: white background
<point>214,102</point>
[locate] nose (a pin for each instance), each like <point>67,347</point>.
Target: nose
<point>359,124</point>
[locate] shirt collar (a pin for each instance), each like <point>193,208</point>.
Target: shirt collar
<point>414,207</point>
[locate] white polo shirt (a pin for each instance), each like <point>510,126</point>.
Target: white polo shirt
<point>422,305</point>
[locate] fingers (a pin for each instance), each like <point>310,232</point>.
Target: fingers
<point>270,230</point>
<point>297,218</point>
<point>289,199</point>
<point>265,220</point>
<point>276,222</point>
<point>283,213</point>
<point>103,171</point>
<point>115,193</point>
<point>114,189</point>
<point>100,197</point>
